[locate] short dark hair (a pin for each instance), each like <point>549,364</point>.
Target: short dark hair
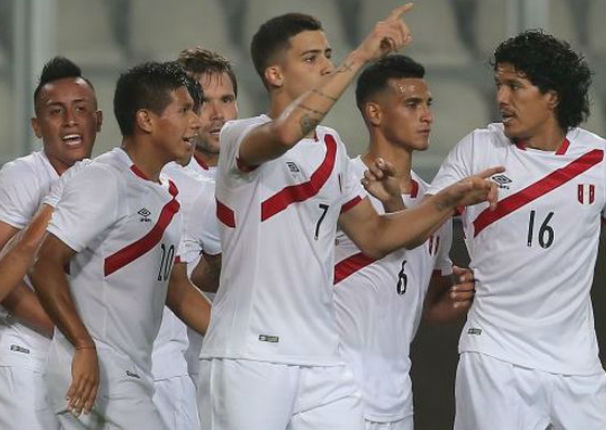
<point>550,64</point>
<point>148,86</point>
<point>274,35</point>
<point>198,61</point>
<point>375,77</point>
<point>59,68</point>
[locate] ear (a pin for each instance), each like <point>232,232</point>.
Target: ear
<point>553,99</point>
<point>273,76</point>
<point>373,113</point>
<point>144,120</point>
<point>36,127</point>
<point>99,115</point>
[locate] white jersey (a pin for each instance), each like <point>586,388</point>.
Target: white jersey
<point>125,230</point>
<point>198,166</point>
<point>23,184</point>
<point>534,255</point>
<point>379,306</point>
<point>277,225</point>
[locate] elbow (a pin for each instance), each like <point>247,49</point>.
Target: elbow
<point>285,136</point>
<point>374,252</point>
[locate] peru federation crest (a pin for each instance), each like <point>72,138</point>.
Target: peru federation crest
<point>585,193</point>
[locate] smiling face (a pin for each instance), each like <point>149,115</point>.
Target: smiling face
<point>176,128</point>
<point>218,107</point>
<point>526,112</point>
<point>306,63</point>
<point>67,121</point>
<point>406,118</point>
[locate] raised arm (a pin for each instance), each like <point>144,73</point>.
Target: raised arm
<point>51,284</point>
<point>378,235</point>
<point>301,117</point>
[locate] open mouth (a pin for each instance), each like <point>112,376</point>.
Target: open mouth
<point>507,117</point>
<point>72,139</point>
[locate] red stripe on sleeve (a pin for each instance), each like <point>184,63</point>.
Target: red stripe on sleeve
<point>299,193</point>
<point>537,189</point>
<point>350,265</point>
<point>225,214</point>
<point>347,206</point>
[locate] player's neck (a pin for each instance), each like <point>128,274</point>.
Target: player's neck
<point>57,164</point>
<point>207,158</point>
<point>144,158</point>
<point>549,138</point>
<point>401,158</point>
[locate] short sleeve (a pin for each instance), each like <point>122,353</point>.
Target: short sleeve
<point>53,197</point>
<point>231,137</point>
<point>352,192</point>
<point>19,195</point>
<point>456,166</point>
<point>443,261</point>
<point>201,229</point>
<point>87,207</point>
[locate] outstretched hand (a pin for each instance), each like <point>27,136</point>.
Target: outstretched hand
<point>474,189</point>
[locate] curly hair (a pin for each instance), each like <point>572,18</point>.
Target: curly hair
<point>550,64</point>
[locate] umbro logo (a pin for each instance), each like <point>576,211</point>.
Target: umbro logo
<point>293,167</point>
<point>501,181</point>
<point>145,214</point>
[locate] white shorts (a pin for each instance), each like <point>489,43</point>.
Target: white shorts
<point>246,394</point>
<point>24,400</point>
<point>175,399</point>
<point>124,398</point>
<point>494,394</point>
<point>402,424</point>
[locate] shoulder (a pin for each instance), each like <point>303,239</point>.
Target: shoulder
<point>25,168</point>
<point>486,138</point>
<point>585,138</point>
<point>239,125</point>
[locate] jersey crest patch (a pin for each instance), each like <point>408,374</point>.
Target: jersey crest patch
<point>585,193</point>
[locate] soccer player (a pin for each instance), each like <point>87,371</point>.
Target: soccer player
<point>283,183</point>
<point>379,303</point>
<point>220,89</point>
<point>528,351</point>
<point>117,227</point>
<point>67,120</point>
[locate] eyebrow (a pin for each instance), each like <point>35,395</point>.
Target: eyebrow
<point>316,51</point>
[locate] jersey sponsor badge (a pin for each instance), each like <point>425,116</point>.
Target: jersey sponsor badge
<point>502,181</point>
<point>292,167</point>
<point>268,338</point>
<point>475,331</point>
<point>145,215</point>
<point>585,193</point>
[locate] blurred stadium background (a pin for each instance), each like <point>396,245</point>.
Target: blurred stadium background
<point>453,39</point>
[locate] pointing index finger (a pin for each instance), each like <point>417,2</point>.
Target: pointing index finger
<point>399,11</point>
<point>487,173</point>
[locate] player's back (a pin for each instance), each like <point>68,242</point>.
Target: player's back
<point>278,224</point>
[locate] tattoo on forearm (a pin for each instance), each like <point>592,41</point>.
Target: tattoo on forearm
<point>307,124</point>
<point>344,67</point>
<point>309,109</point>
<point>320,93</point>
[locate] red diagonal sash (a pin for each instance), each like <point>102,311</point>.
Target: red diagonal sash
<point>537,189</point>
